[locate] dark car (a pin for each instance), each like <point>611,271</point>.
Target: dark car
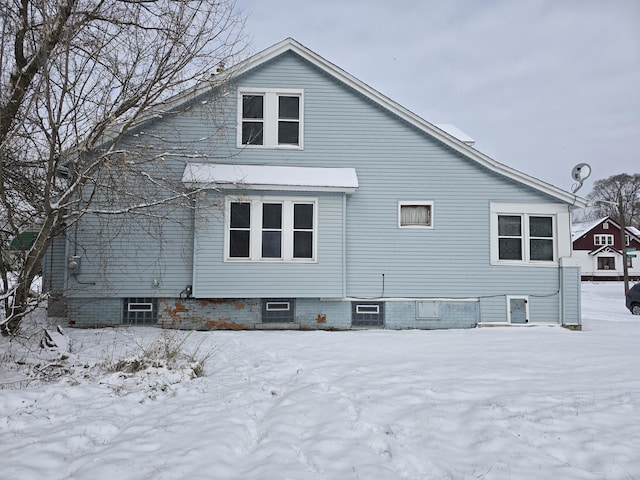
<point>633,299</point>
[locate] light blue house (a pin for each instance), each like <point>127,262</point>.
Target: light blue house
<point>318,203</point>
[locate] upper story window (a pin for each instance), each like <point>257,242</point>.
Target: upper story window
<point>603,239</point>
<point>526,238</point>
<point>271,229</point>
<point>270,118</point>
<point>417,214</point>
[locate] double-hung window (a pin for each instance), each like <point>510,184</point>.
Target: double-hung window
<point>525,238</point>
<point>270,118</point>
<point>263,229</point>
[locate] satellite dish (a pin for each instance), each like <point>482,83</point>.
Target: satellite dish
<point>580,173</point>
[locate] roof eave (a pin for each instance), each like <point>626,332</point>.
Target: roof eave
<point>410,117</point>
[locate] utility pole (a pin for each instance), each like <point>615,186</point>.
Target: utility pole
<point>623,239</point>
<point>623,243</point>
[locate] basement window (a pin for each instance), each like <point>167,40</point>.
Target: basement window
<point>278,310</point>
<point>138,311</point>
<point>367,314</point>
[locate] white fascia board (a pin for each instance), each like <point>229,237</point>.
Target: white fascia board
<point>270,177</point>
<point>412,118</point>
<point>374,95</point>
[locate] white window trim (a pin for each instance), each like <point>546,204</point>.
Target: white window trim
<point>428,203</point>
<point>277,306</point>
<point>601,239</point>
<point>560,216</point>
<point>363,307</point>
<point>270,119</point>
<point>255,232</point>
<point>140,307</point>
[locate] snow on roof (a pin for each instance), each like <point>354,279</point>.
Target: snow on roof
<point>580,228</point>
<point>265,177</point>
<point>456,132</point>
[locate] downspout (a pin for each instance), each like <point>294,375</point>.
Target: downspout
<point>344,245</point>
<point>194,211</point>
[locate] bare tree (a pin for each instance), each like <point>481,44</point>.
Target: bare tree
<point>76,75</point>
<point>607,193</point>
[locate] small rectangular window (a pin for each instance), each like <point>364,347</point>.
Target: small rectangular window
<point>374,309</point>
<point>415,214</point>
<point>367,314</point>
<point>140,307</point>
<point>140,310</point>
<point>278,306</point>
<point>278,310</point>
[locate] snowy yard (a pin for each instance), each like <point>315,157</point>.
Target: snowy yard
<point>488,403</point>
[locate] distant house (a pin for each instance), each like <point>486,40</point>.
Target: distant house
<point>325,205</point>
<point>597,247</point>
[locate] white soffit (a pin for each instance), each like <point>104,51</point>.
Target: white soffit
<point>269,177</point>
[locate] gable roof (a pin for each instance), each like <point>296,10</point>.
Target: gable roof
<point>605,249</point>
<point>581,228</point>
<point>578,229</point>
<point>456,144</point>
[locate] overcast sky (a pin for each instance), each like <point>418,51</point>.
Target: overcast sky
<point>540,85</point>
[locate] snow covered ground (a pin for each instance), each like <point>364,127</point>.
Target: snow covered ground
<point>488,403</point>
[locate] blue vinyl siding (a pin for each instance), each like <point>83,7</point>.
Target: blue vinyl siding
<point>216,278</point>
<point>394,161</point>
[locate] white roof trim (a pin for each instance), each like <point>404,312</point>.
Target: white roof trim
<point>605,249</point>
<point>269,177</point>
<point>290,44</point>
<point>410,117</point>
